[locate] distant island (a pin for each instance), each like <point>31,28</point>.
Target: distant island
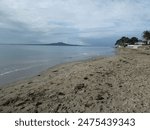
<point>61,44</point>
<point>48,44</point>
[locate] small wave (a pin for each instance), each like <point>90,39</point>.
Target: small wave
<point>15,70</point>
<point>85,53</point>
<point>35,61</point>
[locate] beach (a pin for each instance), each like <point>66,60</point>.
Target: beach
<point>111,84</point>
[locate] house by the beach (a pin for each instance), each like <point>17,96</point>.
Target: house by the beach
<point>138,44</point>
<point>133,46</point>
<point>148,42</point>
<point>143,42</point>
<point>131,42</point>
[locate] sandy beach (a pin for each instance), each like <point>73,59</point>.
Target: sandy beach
<point>118,83</point>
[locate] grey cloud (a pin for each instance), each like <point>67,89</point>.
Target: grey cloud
<point>14,31</point>
<point>71,20</point>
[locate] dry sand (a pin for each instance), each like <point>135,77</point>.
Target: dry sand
<point>119,83</point>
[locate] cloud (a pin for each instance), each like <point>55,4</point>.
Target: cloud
<point>71,20</point>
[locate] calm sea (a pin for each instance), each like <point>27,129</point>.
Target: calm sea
<point>19,62</point>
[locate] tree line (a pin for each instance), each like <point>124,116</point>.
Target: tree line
<point>125,41</point>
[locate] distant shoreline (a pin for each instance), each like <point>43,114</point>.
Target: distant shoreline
<point>51,44</point>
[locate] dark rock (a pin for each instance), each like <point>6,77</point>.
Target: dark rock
<point>30,82</point>
<point>31,93</point>
<point>6,103</point>
<point>109,84</point>
<point>91,74</point>
<point>52,83</point>
<point>120,86</point>
<point>22,86</point>
<point>88,104</point>
<point>85,78</point>
<point>38,103</point>
<point>79,87</point>
<point>99,97</point>
<point>61,93</point>
<point>55,71</point>
<point>57,108</point>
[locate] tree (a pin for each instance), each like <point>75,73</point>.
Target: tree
<point>124,41</point>
<point>146,35</point>
<point>133,40</point>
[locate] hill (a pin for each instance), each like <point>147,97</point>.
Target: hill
<point>61,44</point>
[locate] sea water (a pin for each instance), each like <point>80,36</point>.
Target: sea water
<point>21,61</point>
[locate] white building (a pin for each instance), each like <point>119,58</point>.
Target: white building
<point>140,43</point>
<point>148,42</point>
<point>134,46</point>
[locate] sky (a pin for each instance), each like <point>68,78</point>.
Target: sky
<point>87,22</point>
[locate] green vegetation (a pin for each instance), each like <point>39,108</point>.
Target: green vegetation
<point>125,41</point>
<point>146,35</point>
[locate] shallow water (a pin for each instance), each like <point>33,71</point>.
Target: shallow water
<point>19,62</point>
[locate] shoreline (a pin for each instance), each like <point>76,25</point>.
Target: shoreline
<point>117,83</point>
<point>50,68</point>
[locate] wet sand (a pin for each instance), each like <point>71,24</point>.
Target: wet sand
<point>118,83</point>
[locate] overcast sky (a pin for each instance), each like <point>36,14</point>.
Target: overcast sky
<point>72,21</point>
